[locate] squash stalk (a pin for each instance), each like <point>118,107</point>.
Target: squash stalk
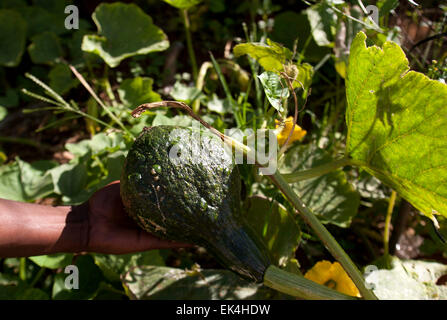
<point>300,287</point>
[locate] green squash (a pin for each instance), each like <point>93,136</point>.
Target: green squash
<point>181,184</point>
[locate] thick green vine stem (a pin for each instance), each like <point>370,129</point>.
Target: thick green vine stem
<point>300,287</point>
<point>331,244</point>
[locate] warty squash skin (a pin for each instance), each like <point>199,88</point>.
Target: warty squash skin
<point>196,200</point>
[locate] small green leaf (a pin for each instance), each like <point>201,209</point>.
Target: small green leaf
<point>276,227</point>
<point>61,79</point>
<point>181,92</point>
<point>183,4</point>
<point>53,261</point>
<point>10,99</point>
<point>304,77</point>
<point>124,31</point>
<point>45,48</point>
<point>331,197</point>
<point>160,283</point>
<point>397,124</point>
<point>136,91</point>
<point>3,113</point>
<point>271,55</point>
<point>276,91</point>
<point>221,106</point>
<point>409,280</point>
<point>12,37</point>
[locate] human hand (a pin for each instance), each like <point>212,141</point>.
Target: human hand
<point>112,231</point>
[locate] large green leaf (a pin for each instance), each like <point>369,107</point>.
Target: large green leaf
<point>397,124</point>
<point>160,283</point>
<point>12,37</point>
<point>136,91</point>
<point>409,280</point>
<point>124,31</point>
<point>22,181</point>
<point>277,228</point>
<point>183,4</point>
<point>331,197</point>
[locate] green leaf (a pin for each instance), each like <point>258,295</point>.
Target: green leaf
<point>21,181</point>
<point>160,283</point>
<point>12,37</point>
<point>183,4</point>
<point>53,261</point>
<point>10,184</point>
<point>276,227</point>
<point>322,21</point>
<point>304,77</point>
<point>35,179</point>
<point>3,113</point>
<point>136,91</point>
<point>276,91</point>
<point>61,79</point>
<point>409,280</point>
<point>331,197</point>
<point>181,92</point>
<point>385,6</point>
<point>290,26</point>
<point>21,292</point>
<point>271,55</point>
<point>10,99</point>
<point>90,277</point>
<point>99,143</point>
<point>45,48</point>
<point>221,106</point>
<point>124,31</point>
<point>397,124</point>
<point>40,20</point>
<point>115,266</point>
<point>69,179</point>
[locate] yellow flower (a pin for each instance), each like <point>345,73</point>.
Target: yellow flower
<point>333,276</point>
<point>298,132</point>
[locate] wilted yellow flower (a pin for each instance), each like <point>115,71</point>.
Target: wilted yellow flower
<point>333,276</point>
<point>298,132</point>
